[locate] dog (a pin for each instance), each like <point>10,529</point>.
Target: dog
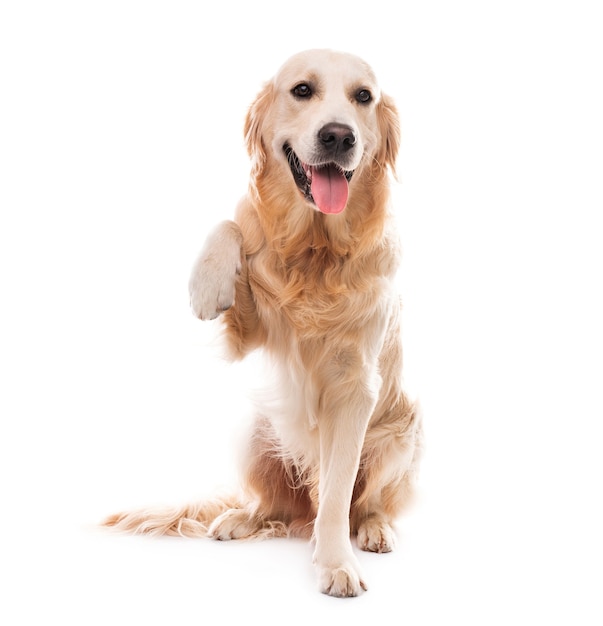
<point>306,273</point>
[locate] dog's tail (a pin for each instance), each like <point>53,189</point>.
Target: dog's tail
<point>191,520</point>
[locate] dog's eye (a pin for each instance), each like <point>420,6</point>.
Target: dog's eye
<point>363,96</point>
<point>302,90</point>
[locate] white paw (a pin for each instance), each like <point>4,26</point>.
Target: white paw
<point>344,581</point>
<point>233,524</point>
<point>376,535</point>
<point>339,572</point>
<point>213,280</point>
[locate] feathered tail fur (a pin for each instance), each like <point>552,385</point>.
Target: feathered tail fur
<point>191,520</point>
<point>202,519</point>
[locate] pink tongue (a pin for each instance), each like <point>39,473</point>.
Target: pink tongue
<point>329,189</point>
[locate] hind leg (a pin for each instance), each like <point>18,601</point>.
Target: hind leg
<point>278,503</point>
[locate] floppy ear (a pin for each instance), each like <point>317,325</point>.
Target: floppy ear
<point>254,125</point>
<point>389,127</point>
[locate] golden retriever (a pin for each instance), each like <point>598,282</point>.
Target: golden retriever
<point>306,272</point>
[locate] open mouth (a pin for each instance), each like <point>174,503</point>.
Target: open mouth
<point>325,185</point>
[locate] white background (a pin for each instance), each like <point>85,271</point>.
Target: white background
<point>121,145</point>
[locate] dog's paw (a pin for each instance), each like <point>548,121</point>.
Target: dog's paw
<point>233,524</point>
<point>376,535</point>
<point>244,524</point>
<point>213,280</point>
<point>341,582</point>
<point>212,287</point>
<point>338,570</point>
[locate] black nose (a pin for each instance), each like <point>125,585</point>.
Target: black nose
<point>336,138</point>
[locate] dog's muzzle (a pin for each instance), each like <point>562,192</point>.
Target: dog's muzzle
<point>325,184</point>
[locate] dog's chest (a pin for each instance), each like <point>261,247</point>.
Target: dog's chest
<point>315,298</point>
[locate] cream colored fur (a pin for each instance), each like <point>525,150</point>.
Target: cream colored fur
<point>335,447</point>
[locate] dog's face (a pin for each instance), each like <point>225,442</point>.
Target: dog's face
<point>321,119</point>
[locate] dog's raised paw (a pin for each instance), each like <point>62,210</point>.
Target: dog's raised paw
<point>212,284</point>
<point>212,290</point>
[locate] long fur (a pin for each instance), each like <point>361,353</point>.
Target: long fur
<point>336,444</point>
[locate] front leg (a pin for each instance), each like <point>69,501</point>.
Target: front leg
<point>341,434</point>
<point>213,280</point>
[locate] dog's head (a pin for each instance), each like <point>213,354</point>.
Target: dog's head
<point>320,122</point>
